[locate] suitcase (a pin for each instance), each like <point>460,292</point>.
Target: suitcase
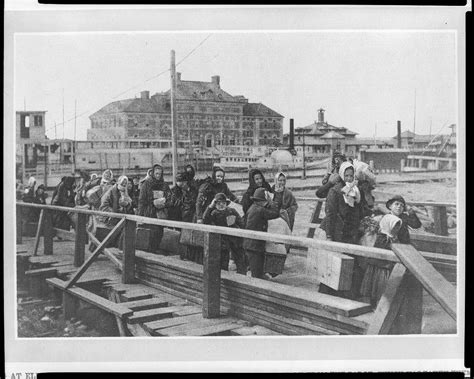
<point>274,263</point>
<point>144,238</point>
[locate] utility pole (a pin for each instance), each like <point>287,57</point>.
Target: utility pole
<point>63,113</point>
<point>55,131</point>
<point>174,120</point>
<point>414,117</point>
<point>303,176</point>
<point>375,136</point>
<point>74,141</point>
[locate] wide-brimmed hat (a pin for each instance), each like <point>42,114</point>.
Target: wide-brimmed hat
<point>221,197</point>
<point>259,194</point>
<point>396,198</point>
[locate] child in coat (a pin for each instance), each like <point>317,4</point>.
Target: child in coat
<point>220,214</point>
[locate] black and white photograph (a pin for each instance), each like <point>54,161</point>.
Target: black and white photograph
<point>253,189</point>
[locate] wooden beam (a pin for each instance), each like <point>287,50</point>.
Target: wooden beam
<point>38,232</point>
<point>443,291</point>
<point>129,239</point>
<point>115,231</point>
<point>211,276</point>
<point>48,232</point>
<point>389,303</point>
<point>315,218</point>
<point>106,251</point>
<point>440,220</point>
<point>80,241</point>
<point>19,226</point>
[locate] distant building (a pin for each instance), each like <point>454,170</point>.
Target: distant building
<point>208,117</point>
<point>30,127</point>
<point>320,139</point>
<point>444,145</point>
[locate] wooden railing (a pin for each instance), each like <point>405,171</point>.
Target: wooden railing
<point>437,286</point>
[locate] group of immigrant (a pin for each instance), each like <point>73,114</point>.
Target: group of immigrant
<point>347,188</point>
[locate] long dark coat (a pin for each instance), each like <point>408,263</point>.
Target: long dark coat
<point>247,197</point>
<point>145,200</point>
<point>342,221</point>
<point>110,203</point>
<point>183,204</point>
<point>257,219</point>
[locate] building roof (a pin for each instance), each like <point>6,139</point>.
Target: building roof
<point>333,134</point>
<point>258,109</point>
<point>209,91</point>
<point>370,141</point>
<point>137,105</point>
<point>321,128</point>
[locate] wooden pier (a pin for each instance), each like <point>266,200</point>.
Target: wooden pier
<point>160,295</point>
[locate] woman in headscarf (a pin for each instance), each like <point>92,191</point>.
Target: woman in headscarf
<point>256,180</point>
<point>343,208</point>
<point>209,189</point>
<point>116,200</point>
<point>285,199</point>
<point>153,202</point>
<point>377,272</point>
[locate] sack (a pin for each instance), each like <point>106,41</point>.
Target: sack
<point>93,196</point>
<point>192,238</point>
<point>277,226</point>
<point>363,172</point>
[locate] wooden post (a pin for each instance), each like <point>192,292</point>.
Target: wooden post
<point>211,276</point>
<point>174,118</point>
<point>48,232</point>
<point>440,220</point>
<point>19,226</point>
<point>38,232</point>
<point>81,237</point>
<point>410,314</point>
<point>129,237</point>
<point>315,219</point>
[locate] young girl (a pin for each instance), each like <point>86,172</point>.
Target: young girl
<point>285,199</point>
<point>343,208</point>
<point>377,272</point>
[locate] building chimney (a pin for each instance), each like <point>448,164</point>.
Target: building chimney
<point>178,77</point>
<point>145,94</point>
<point>292,135</point>
<point>399,134</point>
<point>216,80</point>
<point>321,115</point>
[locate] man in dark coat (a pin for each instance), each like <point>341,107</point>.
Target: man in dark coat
<point>63,196</point>
<point>153,202</point>
<point>256,180</point>
<point>209,189</point>
<point>257,218</point>
<point>218,213</point>
<point>183,200</point>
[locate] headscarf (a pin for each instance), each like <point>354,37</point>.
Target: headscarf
<point>107,176</point>
<point>31,182</point>
<point>252,174</point>
<point>190,175</point>
<point>350,191</point>
<point>387,224</point>
<point>120,186</point>
<point>153,172</point>
<point>277,186</point>
<point>214,170</point>
<point>93,176</point>
<point>125,199</point>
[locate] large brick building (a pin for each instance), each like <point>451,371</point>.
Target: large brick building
<point>207,117</point>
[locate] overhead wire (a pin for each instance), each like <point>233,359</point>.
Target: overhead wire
<point>133,87</point>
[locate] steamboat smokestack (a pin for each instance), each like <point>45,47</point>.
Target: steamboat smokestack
<point>399,134</point>
<point>292,135</point>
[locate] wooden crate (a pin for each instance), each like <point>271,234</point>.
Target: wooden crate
<point>274,263</point>
<point>330,268</point>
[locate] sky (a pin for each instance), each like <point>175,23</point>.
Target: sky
<point>365,81</point>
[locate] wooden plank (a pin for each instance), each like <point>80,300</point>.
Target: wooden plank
<point>136,295</point>
<point>440,220</point>
<point>389,303</point>
<point>38,232</point>
<point>48,233</point>
<point>151,314</point>
<point>80,240</point>
<point>91,298</point>
<point>115,231</point>
<point>188,310</point>
<point>203,322</point>
<point>41,272</point>
<point>256,330</point>
<point>432,280</point>
<point>128,271</point>
<point>315,219</point>
<point>140,305</point>
<point>210,330</point>
<point>169,322</point>
<point>211,276</point>
<point>330,268</point>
